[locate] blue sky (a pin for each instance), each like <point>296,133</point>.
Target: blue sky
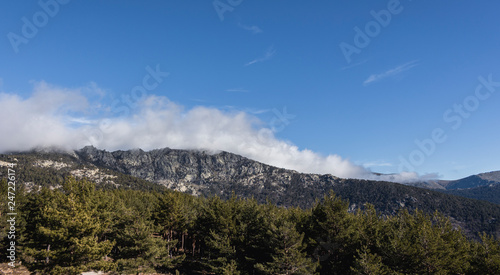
<point>420,76</point>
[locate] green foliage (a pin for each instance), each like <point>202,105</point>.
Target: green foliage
<point>489,193</point>
<point>367,263</point>
<point>288,255</point>
<point>486,256</point>
<point>217,229</point>
<point>331,221</point>
<point>420,243</point>
<point>138,249</point>
<point>80,228</point>
<point>63,233</point>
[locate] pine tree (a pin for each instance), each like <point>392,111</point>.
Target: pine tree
<point>140,245</point>
<point>138,249</point>
<point>289,256</point>
<point>252,240</point>
<point>4,241</point>
<point>368,263</point>
<point>217,229</point>
<point>64,231</point>
<point>486,259</point>
<point>330,233</point>
<point>170,218</point>
<point>423,244</point>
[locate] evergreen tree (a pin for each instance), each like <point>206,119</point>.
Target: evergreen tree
<point>330,232</point>
<point>78,228</point>
<point>252,240</point>
<point>138,249</point>
<point>422,244</point>
<point>4,226</point>
<point>486,256</point>
<point>170,218</point>
<point>289,256</point>
<point>370,264</point>
<point>63,232</point>
<point>217,229</point>
<point>139,243</point>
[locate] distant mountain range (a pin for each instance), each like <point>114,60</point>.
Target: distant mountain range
<point>473,181</point>
<point>224,174</point>
<point>484,186</point>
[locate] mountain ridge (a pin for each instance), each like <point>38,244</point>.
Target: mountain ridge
<point>189,170</point>
<point>224,174</point>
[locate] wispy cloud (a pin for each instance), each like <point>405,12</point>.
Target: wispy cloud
<point>267,55</point>
<point>56,116</point>
<point>377,163</point>
<point>237,90</point>
<point>392,72</point>
<point>253,29</point>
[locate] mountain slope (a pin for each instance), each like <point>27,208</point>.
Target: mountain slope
<point>490,193</point>
<point>484,186</point>
<point>223,173</point>
<point>491,176</point>
<point>473,181</point>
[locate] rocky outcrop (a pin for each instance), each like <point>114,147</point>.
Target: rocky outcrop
<point>200,172</point>
<point>224,174</point>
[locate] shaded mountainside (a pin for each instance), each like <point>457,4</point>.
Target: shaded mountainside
<point>484,186</point>
<point>490,193</point>
<point>473,181</point>
<point>207,173</point>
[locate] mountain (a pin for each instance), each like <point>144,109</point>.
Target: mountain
<point>491,176</point>
<point>479,180</point>
<point>473,181</point>
<point>490,193</point>
<point>484,186</point>
<point>204,173</point>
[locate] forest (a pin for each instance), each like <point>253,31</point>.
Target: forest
<point>79,227</point>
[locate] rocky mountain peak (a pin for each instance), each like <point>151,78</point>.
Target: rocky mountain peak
<point>191,170</point>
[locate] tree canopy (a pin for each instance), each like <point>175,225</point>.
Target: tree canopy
<point>79,228</point>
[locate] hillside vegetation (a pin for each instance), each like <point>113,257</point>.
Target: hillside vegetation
<point>79,228</point>
<point>224,174</point>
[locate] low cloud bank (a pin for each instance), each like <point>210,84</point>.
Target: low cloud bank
<point>66,118</point>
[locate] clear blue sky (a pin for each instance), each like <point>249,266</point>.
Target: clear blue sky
<point>258,56</point>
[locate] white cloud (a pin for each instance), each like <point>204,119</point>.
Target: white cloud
<point>267,55</point>
<point>39,120</point>
<point>55,116</point>
<point>254,29</point>
<point>392,72</point>
<point>377,163</point>
<point>406,177</point>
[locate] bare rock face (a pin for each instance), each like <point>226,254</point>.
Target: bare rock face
<point>204,173</point>
<point>200,172</point>
<point>224,174</point>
